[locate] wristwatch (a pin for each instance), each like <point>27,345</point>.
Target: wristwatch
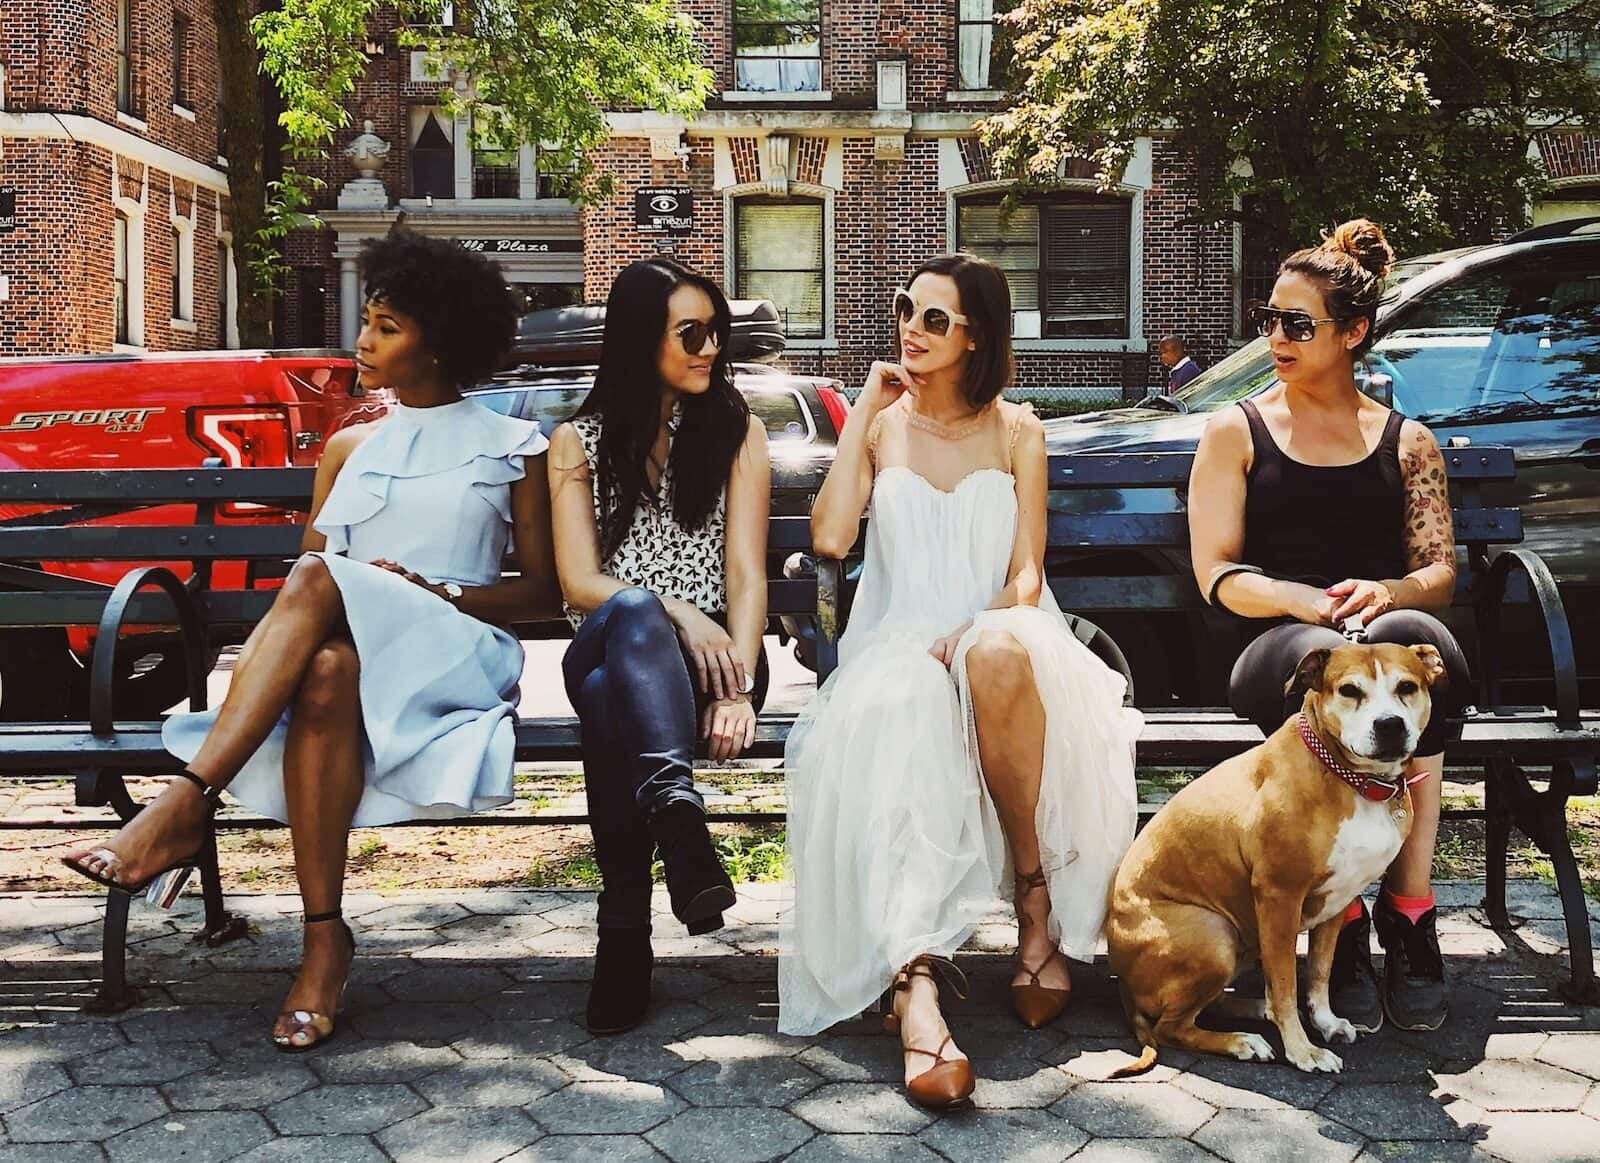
<point>452,593</point>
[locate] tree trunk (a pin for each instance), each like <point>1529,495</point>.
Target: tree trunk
<point>244,146</point>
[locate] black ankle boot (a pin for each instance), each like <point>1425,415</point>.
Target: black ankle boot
<point>1353,983</point>
<point>696,881</point>
<point>619,996</point>
<point>1415,995</point>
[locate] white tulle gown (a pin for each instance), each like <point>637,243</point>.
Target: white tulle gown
<point>895,847</point>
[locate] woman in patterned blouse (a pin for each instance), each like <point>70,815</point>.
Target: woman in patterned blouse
<point>659,491</point>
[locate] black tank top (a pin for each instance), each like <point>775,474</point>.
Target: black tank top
<point>1320,524</point>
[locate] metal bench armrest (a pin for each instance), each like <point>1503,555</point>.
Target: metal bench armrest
<point>102,666</point>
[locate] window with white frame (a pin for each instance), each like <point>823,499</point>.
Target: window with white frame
<point>983,45</point>
<point>777,46</point>
<point>433,154</point>
<point>124,56</point>
<point>496,167</point>
<point>182,271</point>
<point>780,253</point>
<point>1068,260</point>
<point>120,288</point>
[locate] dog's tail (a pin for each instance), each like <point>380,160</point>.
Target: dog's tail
<point>1147,1057</point>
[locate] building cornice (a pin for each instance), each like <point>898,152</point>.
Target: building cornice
<point>77,127</point>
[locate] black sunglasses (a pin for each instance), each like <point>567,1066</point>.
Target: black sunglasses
<point>935,320</point>
<point>693,334</point>
<point>1298,326</point>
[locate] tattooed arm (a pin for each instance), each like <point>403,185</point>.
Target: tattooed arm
<point>1430,539</point>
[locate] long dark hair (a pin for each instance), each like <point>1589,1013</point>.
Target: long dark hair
<point>627,398</point>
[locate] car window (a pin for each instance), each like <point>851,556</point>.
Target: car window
<point>783,415</point>
<point>549,407</point>
<point>1524,338</point>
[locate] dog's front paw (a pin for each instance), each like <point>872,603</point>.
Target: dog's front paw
<point>1251,1048</point>
<point>1314,1059</point>
<point>1332,1027</point>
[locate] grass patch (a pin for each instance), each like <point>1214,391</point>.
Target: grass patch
<point>577,871</point>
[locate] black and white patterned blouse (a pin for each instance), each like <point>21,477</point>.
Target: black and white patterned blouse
<point>657,553</point>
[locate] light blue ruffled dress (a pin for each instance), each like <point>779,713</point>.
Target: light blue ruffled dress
<point>430,489</point>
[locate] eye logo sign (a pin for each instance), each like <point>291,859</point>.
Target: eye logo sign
<point>664,209</point>
<point>113,420</point>
<point>664,203</point>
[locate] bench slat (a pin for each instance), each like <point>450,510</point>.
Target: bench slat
<point>1170,530</point>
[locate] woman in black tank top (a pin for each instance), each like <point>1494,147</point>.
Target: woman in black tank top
<point>1315,510</point>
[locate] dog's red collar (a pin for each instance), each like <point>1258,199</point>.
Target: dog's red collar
<point>1369,786</point>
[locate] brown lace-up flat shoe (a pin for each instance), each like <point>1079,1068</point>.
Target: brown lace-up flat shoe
<point>949,1081</point>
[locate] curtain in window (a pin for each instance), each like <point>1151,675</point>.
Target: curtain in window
<point>779,255</point>
<point>976,48</point>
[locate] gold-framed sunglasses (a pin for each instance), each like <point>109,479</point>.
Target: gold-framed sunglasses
<point>935,320</point>
<point>693,333</point>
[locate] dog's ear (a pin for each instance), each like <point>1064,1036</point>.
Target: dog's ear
<point>1308,675</point>
<point>1432,665</point>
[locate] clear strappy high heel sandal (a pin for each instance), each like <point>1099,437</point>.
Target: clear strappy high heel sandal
<point>162,888</point>
<point>314,1028</point>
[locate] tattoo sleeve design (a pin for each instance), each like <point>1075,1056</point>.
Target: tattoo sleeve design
<point>1429,532</point>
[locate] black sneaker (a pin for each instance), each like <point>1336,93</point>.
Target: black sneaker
<point>1353,983</point>
<point>1414,992</point>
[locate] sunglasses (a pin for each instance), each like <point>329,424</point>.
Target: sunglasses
<point>935,320</point>
<point>693,334</point>
<point>1298,326</point>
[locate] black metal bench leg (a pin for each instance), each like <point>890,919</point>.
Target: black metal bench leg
<point>1583,988</point>
<point>221,926</point>
<point>114,994</point>
<point>1496,843</point>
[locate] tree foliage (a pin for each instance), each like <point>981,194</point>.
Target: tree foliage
<point>1296,114</point>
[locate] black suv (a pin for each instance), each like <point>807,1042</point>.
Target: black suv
<point>1492,345</point>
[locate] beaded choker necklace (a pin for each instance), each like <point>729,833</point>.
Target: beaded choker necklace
<point>1369,786</point>
<point>953,431</point>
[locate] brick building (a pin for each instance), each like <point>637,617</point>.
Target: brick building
<point>109,161</point>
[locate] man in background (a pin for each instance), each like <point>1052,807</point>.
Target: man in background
<point>1180,367</point>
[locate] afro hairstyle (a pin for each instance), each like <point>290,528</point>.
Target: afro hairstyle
<point>458,297</point>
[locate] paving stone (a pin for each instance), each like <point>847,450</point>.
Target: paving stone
<point>1554,1137</point>
<point>246,1084</point>
<point>1228,1084</point>
<point>499,902</point>
<point>462,1135</point>
<point>1094,1061</point>
<point>573,915</point>
<point>1393,1056</point>
<point>599,1108</point>
<point>1142,1151</point>
<point>231,988</point>
<point>443,1022</point>
<point>196,1023</point>
<point>1111,1110</point>
<point>1579,1053</point>
<point>712,1135</point>
<point>25,1082</point>
<point>758,1044</point>
<point>519,1039</point>
<point>85,1112</point>
<point>745,1082</point>
<point>538,1001</point>
<point>1518,1045</point>
<point>1591,1106</point>
<point>367,1060</point>
<point>589,1149</point>
<point>865,1149</point>
<point>844,1107</point>
<point>148,1062</point>
<point>1509,1085</point>
<point>1019,1136</point>
<point>50,1152</point>
<point>1424,1151</point>
<point>191,1138</point>
<point>316,1149</point>
<point>445,983</point>
<point>683,983</point>
<point>344,1110</point>
<point>57,1043</point>
<point>492,1083</point>
<point>1006,1083</point>
<point>856,1059</point>
<point>1245,1136</point>
<point>1392,1111</point>
<point>629,1057</point>
<point>417,915</point>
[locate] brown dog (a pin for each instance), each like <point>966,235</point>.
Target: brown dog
<point>1265,846</point>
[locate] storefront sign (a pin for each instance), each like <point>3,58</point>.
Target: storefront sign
<point>8,209</point>
<point>664,209</point>
<point>523,245</point>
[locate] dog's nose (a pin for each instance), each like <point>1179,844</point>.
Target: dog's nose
<point>1390,729</point>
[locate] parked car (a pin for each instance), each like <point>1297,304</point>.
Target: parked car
<point>172,410</point>
<point>1490,345</point>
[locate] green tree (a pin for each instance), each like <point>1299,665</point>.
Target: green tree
<point>1416,113</point>
<point>542,71</point>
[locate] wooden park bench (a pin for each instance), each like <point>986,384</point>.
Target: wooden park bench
<point>1091,513</point>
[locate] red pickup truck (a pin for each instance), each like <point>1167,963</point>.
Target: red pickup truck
<point>246,408</point>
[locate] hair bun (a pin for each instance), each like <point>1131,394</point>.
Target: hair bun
<point>1362,239</point>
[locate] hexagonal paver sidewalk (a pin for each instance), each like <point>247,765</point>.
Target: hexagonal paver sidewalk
<point>462,1038</point>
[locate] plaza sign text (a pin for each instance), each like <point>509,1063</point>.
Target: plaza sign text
<point>523,245</point>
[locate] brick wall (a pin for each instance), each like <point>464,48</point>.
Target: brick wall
<point>60,56</point>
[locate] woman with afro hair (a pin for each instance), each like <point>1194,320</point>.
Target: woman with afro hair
<point>381,686</point>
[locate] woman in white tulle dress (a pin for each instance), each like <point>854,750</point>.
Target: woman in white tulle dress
<point>967,737</point>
